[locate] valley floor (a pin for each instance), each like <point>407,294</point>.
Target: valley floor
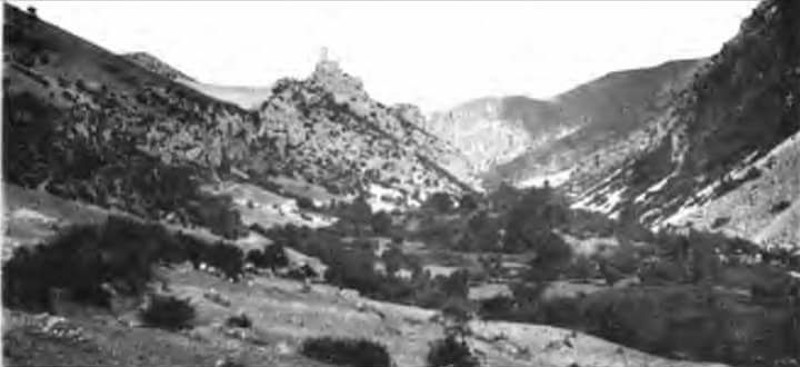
<point>284,312</point>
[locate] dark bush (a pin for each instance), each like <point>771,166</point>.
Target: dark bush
<point>346,352</point>
<point>305,203</point>
<point>82,259</point>
<point>440,201</point>
<point>168,312</point>
<point>720,221</point>
<point>240,321</point>
<point>451,352</point>
<point>499,308</point>
<point>302,273</point>
<point>468,202</point>
<point>779,206</point>
<point>381,223</point>
<point>272,256</point>
<point>85,259</point>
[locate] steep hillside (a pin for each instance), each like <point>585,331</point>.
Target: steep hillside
<point>157,66</point>
<point>84,123</point>
<point>518,139</point>
<point>245,97</point>
<point>719,132</point>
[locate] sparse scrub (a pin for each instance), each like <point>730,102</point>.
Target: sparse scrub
<point>780,206</point>
<point>239,321</point>
<point>451,352</point>
<point>168,312</point>
<point>346,352</point>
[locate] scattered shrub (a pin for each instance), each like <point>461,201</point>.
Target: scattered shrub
<point>305,203</point>
<point>451,352</point>
<point>440,201</point>
<point>272,256</point>
<point>168,312</point>
<point>720,221</point>
<point>240,321</point>
<point>346,352</point>
<point>779,206</point>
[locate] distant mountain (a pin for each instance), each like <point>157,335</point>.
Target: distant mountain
<point>518,139</point>
<point>723,155</point>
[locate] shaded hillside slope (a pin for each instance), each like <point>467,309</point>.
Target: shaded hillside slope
<point>740,105</point>
<point>84,123</point>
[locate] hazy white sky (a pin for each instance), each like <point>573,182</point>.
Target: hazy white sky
<point>434,54</point>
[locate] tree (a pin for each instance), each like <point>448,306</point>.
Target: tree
<point>359,213</point>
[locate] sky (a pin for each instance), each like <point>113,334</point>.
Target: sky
<point>433,54</point>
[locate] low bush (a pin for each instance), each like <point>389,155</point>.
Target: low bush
<point>85,259</point>
<point>168,312</point>
<point>272,256</point>
<point>451,352</point>
<point>779,206</point>
<point>241,321</point>
<point>346,352</point>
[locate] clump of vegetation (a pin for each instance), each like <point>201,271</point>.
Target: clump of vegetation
<point>168,312</point>
<point>441,202</point>
<point>273,256</point>
<point>240,321</point>
<point>346,352</point>
<point>305,203</point>
<point>451,352</point>
<point>85,259</point>
<point>720,221</point>
<point>780,206</point>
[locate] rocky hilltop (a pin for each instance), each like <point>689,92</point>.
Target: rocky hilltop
<point>327,129</point>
